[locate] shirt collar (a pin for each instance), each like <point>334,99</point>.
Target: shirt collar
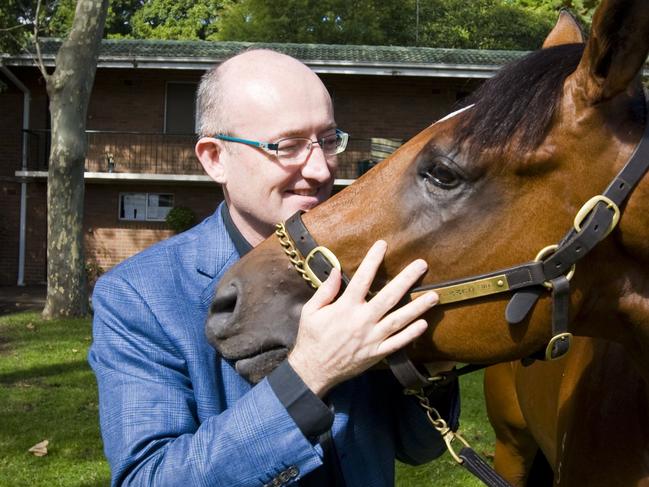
<point>240,243</point>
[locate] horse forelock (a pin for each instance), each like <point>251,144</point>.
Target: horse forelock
<point>515,108</point>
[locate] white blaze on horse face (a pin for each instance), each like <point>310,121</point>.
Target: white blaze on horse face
<point>452,114</point>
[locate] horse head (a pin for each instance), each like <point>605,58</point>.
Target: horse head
<point>483,189</point>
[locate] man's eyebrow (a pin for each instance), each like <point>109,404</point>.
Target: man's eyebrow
<point>299,133</point>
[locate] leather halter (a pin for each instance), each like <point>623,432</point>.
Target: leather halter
<point>551,270</point>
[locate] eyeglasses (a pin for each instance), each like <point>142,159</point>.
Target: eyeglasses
<point>293,150</point>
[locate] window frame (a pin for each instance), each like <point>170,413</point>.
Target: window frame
<point>146,206</point>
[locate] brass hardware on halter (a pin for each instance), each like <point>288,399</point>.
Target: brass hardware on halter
<point>328,255</point>
<point>292,253</point>
<point>560,337</point>
<point>436,420</point>
<point>469,290</point>
<point>302,265</point>
<point>588,207</point>
<point>549,250</point>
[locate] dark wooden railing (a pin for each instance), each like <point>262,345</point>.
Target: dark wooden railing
<point>155,153</point>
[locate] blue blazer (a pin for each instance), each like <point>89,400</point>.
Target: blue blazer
<point>173,412</point>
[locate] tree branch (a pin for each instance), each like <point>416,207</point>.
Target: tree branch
<point>39,57</point>
<point>7,29</point>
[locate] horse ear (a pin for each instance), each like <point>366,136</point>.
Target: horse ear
<point>616,50</point>
<point>567,31</point>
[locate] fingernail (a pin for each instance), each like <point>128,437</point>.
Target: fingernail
<point>432,298</point>
<point>421,265</point>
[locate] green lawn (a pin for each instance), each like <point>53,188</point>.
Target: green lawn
<point>47,391</point>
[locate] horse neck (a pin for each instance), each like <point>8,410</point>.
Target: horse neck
<point>618,308</point>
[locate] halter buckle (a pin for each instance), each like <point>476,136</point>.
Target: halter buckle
<point>588,207</point>
<point>549,250</point>
<point>560,337</point>
<point>328,255</point>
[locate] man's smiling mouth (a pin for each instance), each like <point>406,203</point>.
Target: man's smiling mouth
<point>304,192</point>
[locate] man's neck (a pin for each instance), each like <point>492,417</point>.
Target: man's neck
<point>242,245</point>
<point>252,235</point>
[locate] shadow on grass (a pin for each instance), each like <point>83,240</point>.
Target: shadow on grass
<point>11,378</point>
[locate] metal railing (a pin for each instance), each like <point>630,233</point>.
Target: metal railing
<point>156,153</point>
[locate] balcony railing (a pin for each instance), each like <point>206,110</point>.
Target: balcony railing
<point>155,153</point>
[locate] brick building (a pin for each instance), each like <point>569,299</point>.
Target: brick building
<point>141,117</point>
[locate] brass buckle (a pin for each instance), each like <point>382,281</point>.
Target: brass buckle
<point>561,336</point>
<point>543,253</point>
<point>588,207</point>
<point>328,255</point>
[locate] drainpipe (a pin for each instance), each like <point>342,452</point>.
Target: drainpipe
<point>23,186</point>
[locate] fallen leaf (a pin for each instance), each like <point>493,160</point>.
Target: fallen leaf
<point>39,449</point>
<point>30,326</point>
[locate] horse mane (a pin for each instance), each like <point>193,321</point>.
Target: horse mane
<point>514,108</point>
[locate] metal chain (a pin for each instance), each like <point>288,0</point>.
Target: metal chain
<point>436,420</point>
<point>292,253</point>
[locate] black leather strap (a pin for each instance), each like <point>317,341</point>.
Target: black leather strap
<point>481,469</point>
<point>305,243</point>
<point>518,277</point>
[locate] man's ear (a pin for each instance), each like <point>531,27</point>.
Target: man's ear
<point>209,152</point>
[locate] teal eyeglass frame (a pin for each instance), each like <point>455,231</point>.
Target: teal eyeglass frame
<point>273,147</point>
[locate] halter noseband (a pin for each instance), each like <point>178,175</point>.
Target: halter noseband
<point>551,269</point>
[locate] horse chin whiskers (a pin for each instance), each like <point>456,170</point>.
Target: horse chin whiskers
<point>254,368</point>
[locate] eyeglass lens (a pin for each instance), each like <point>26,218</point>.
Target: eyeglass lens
<point>294,147</point>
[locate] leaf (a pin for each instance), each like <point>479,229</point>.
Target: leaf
<point>39,449</point>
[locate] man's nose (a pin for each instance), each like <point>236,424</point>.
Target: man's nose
<point>317,166</point>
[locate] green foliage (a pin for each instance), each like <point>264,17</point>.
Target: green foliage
<point>310,21</point>
<point>482,24</point>
<point>176,19</point>
<point>180,219</point>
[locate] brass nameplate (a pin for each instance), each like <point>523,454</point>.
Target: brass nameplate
<point>469,290</point>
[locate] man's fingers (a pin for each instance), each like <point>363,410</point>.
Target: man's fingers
<point>388,297</point>
<point>360,283</point>
<point>399,318</point>
<point>403,338</point>
<point>325,294</point>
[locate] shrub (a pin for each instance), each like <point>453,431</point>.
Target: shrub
<point>180,219</point>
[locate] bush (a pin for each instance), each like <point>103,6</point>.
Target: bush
<point>180,219</point>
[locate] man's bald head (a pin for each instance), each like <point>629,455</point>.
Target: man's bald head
<point>252,77</point>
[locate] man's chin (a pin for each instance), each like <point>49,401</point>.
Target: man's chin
<point>255,368</point>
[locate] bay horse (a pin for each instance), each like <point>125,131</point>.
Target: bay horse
<point>486,189</point>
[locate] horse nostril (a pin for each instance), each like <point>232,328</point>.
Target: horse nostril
<point>221,318</point>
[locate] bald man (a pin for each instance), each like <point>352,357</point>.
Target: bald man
<point>172,411</point>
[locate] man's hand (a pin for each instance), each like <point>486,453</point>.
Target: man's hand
<point>339,340</point>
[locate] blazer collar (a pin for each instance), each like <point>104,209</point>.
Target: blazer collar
<point>215,247</point>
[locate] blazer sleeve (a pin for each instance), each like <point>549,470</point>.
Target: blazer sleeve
<point>149,423</point>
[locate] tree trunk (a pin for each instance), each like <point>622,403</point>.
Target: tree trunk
<point>69,89</point>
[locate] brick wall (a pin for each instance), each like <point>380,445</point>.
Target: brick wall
<point>109,240</point>
<point>397,107</point>
<point>134,100</point>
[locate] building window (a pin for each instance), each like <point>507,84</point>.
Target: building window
<point>180,108</point>
<point>145,206</point>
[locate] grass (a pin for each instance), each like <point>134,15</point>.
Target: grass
<point>47,391</point>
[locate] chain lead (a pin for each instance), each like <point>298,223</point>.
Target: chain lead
<point>440,425</point>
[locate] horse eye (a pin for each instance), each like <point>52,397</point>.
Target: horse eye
<point>442,176</point>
